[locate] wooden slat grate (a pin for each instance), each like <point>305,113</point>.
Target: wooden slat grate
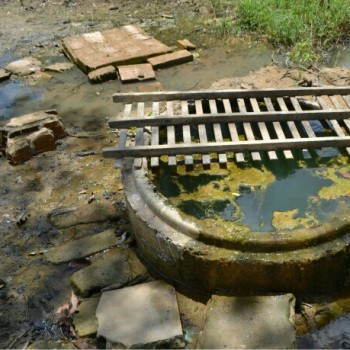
<point>247,123</point>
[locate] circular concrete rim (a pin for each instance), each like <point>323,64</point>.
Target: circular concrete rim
<point>251,241</point>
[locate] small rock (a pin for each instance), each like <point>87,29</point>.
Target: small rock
<point>102,74</point>
<point>4,75</point>
<point>18,150</point>
<point>60,67</point>
<point>42,141</point>
<point>185,44</point>
<point>25,66</point>
<point>142,316</point>
<point>118,266</point>
<point>85,321</point>
<point>82,247</point>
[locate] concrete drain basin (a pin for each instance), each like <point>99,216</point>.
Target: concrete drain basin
<point>209,256</point>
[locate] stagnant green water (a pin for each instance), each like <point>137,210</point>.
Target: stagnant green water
<point>269,196</point>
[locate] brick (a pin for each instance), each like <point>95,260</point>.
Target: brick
<point>42,141</point>
<point>18,150</point>
<point>185,44</point>
<point>102,74</point>
<point>136,72</point>
<point>171,59</point>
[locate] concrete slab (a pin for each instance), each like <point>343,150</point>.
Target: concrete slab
<point>252,322</point>
<point>117,46</point>
<point>82,247</point>
<point>136,72</point>
<point>142,316</point>
<point>117,267</point>
<point>171,59</point>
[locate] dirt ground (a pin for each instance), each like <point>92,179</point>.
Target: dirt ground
<point>30,289</point>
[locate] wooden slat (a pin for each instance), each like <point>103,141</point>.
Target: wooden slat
<point>186,131</point>
<point>233,117</point>
<point>248,129</point>
<point>202,132</point>
<point>155,134</point>
<point>292,127</point>
<point>227,94</point>
<point>347,102</point>
<point>139,133</point>
<point>251,146</point>
<point>171,131</point>
<point>263,129</point>
<point>278,128</point>
<point>123,133</point>
<point>217,131</point>
<point>233,130</point>
<point>337,128</point>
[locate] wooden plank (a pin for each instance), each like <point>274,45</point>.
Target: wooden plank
<point>233,130</point>
<point>337,128</point>
<point>248,129</point>
<point>155,134</point>
<point>202,132</point>
<point>292,127</point>
<point>170,132</point>
<point>228,94</point>
<point>139,133</point>
<point>263,129</point>
<point>347,102</point>
<point>123,133</point>
<point>278,128</point>
<point>251,146</point>
<point>233,117</point>
<point>217,131</point>
<point>186,130</point>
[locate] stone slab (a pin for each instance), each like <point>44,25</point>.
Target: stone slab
<point>102,74</point>
<point>97,211</point>
<point>252,322</point>
<point>117,46</point>
<point>139,316</point>
<point>116,267</point>
<point>42,141</point>
<point>185,44</point>
<point>136,72</point>
<point>85,320</point>
<point>171,59</point>
<point>82,247</point>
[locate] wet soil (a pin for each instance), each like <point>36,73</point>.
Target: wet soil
<point>31,289</point>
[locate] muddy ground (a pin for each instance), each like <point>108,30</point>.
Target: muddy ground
<point>30,288</point>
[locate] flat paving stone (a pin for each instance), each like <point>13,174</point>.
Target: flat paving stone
<point>142,316</point>
<point>170,59</point>
<point>117,267</point>
<point>85,320</point>
<point>252,322</point>
<point>136,72</point>
<point>82,247</point>
<point>117,46</point>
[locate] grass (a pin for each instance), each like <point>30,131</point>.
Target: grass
<point>305,27</point>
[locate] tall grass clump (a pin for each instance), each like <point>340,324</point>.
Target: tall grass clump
<point>306,27</point>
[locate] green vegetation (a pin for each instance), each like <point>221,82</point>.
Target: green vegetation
<point>305,27</point>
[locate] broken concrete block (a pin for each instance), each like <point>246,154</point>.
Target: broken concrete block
<point>142,316</point>
<point>125,45</point>
<point>171,59</point>
<point>82,247</point>
<point>25,66</point>
<point>18,150</point>
<point>185,44</point>
<point>136,72</point>
<point>117,267</point>
<point>102,74</point>
<point>4,75</point>
<point>59,67</point>
<point>42,141</point>
<point>254,322</point>
<point>56,126</point>
<point>97,211</point>
<point>85,320</point>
